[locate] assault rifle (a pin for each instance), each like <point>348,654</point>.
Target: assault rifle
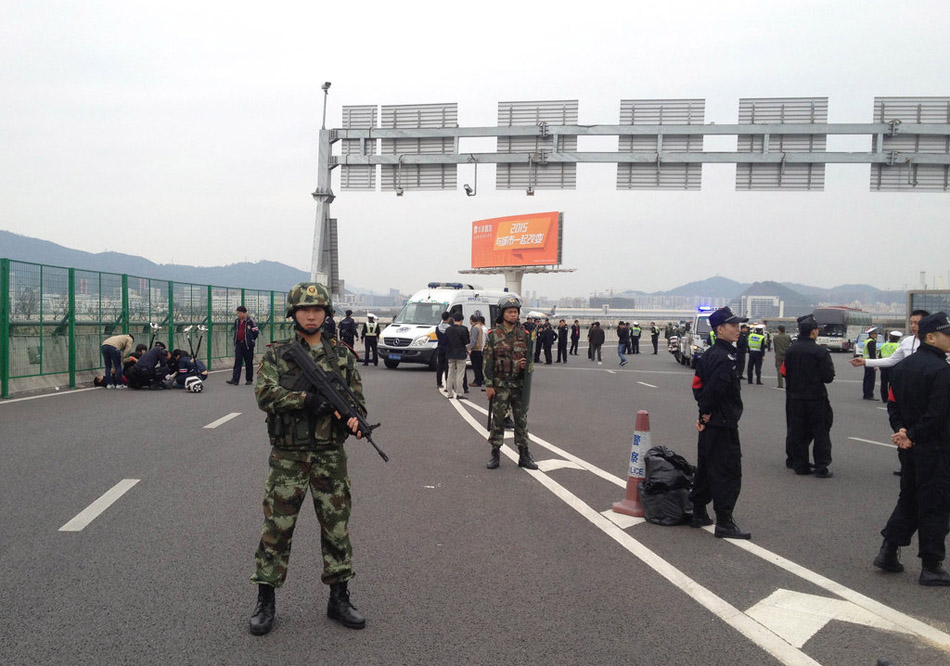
<point>335,391</point>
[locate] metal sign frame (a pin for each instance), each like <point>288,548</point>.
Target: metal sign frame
<point>907,155</point>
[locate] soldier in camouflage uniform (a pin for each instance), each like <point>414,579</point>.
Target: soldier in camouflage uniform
<point>307,437</point>
<point>507,365</point>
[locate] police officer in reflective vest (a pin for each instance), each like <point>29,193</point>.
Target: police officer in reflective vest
<point>635,333</point>
<point>370,336</point>
<point>870,351</point>
<point>887,350</point>
<point>756,352</point>
<point>506,369</point>
<point>716,388</point>
<point>307,452</point>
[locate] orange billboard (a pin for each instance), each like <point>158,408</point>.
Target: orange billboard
<point>519,240</point>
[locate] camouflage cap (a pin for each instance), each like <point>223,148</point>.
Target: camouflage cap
<point>305,294</point>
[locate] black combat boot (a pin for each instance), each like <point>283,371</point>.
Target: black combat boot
<point>726,527</point>
<point>340,609</point>
<point>262,620</point>
<point>495,459</point>
<point>700,516</point>
<point>932,574</point>
<point>524,458</point>
<point>888,558</point>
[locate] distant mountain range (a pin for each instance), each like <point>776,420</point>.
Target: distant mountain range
<point>790,292</point>
<point>276,276</point>
<point>260,275</point>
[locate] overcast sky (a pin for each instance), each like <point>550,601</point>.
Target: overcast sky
<point>186,132</point>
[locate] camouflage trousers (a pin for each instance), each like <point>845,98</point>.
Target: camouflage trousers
<point>504,399</point>
<point>291,472</point>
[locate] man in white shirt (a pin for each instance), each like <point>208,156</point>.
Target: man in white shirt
<point>908,346</point>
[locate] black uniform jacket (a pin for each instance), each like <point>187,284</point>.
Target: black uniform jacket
<point>456,341</point>
<point>807,368</point>
<point>716,386</point>
<point>919,398</point>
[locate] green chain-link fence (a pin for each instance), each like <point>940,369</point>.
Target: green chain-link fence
<point>53,319</point>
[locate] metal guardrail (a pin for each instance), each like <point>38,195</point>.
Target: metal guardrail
<point>54,319</point>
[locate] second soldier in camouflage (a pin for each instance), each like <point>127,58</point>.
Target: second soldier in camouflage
<point>507,365</point>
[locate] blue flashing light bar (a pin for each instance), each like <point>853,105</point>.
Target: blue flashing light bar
<point>705,308</point>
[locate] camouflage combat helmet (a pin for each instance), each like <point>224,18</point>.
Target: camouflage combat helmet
<point>304,294</point>
<point>508,302</point>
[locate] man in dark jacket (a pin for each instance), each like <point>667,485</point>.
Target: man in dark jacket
<point>919,412</point>
<point>456,339</point>
<point>595,339</point>
<point>562,341</point>
<point>807,368</point>
<point>548,337</point>
<point>347,330</point>
<point>150,370</point>
<point>716,387</point>
<point>575,336</point>
<point>245,334</point>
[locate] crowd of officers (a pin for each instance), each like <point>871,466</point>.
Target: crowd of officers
<point>918,405</point>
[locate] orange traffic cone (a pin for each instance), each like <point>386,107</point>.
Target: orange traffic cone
<point>630,505</point>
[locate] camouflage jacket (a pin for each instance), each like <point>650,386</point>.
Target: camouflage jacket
<point>281,391</point>
<point>503,350</point>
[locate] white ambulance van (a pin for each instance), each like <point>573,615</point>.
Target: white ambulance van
<point>411,337</point>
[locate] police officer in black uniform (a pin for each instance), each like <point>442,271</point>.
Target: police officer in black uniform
<point>919,412</point>
<point>716,387</point>
<point>807,368</point>
<point>348,330</point>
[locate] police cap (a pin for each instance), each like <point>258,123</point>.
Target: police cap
<point>724,316</point>
<point>806,324</point>
<point>936,323</point>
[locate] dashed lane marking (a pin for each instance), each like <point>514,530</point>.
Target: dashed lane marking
<point>645,384</point>
<point>222,420</point>
<point>92,511</point>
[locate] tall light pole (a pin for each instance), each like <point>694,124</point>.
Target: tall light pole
<point>321,263</point>
<point>326,93</point>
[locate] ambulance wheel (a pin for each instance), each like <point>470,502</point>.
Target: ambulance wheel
<point>392,365</point>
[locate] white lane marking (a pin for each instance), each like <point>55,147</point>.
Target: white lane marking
<point>871,441</point>
<point>750,628</point>
<point>884,408</point>
<point>222,420</point>
<point>57,394</point>
<point>580,462</point>
<point>613,372</point>
<point>645,384</point>
<point>797,617</point>
<point>925,631</point>
<point>911,625</point>
<point>622,520</point>
<point>553,463</point>
<point>91,512</point>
